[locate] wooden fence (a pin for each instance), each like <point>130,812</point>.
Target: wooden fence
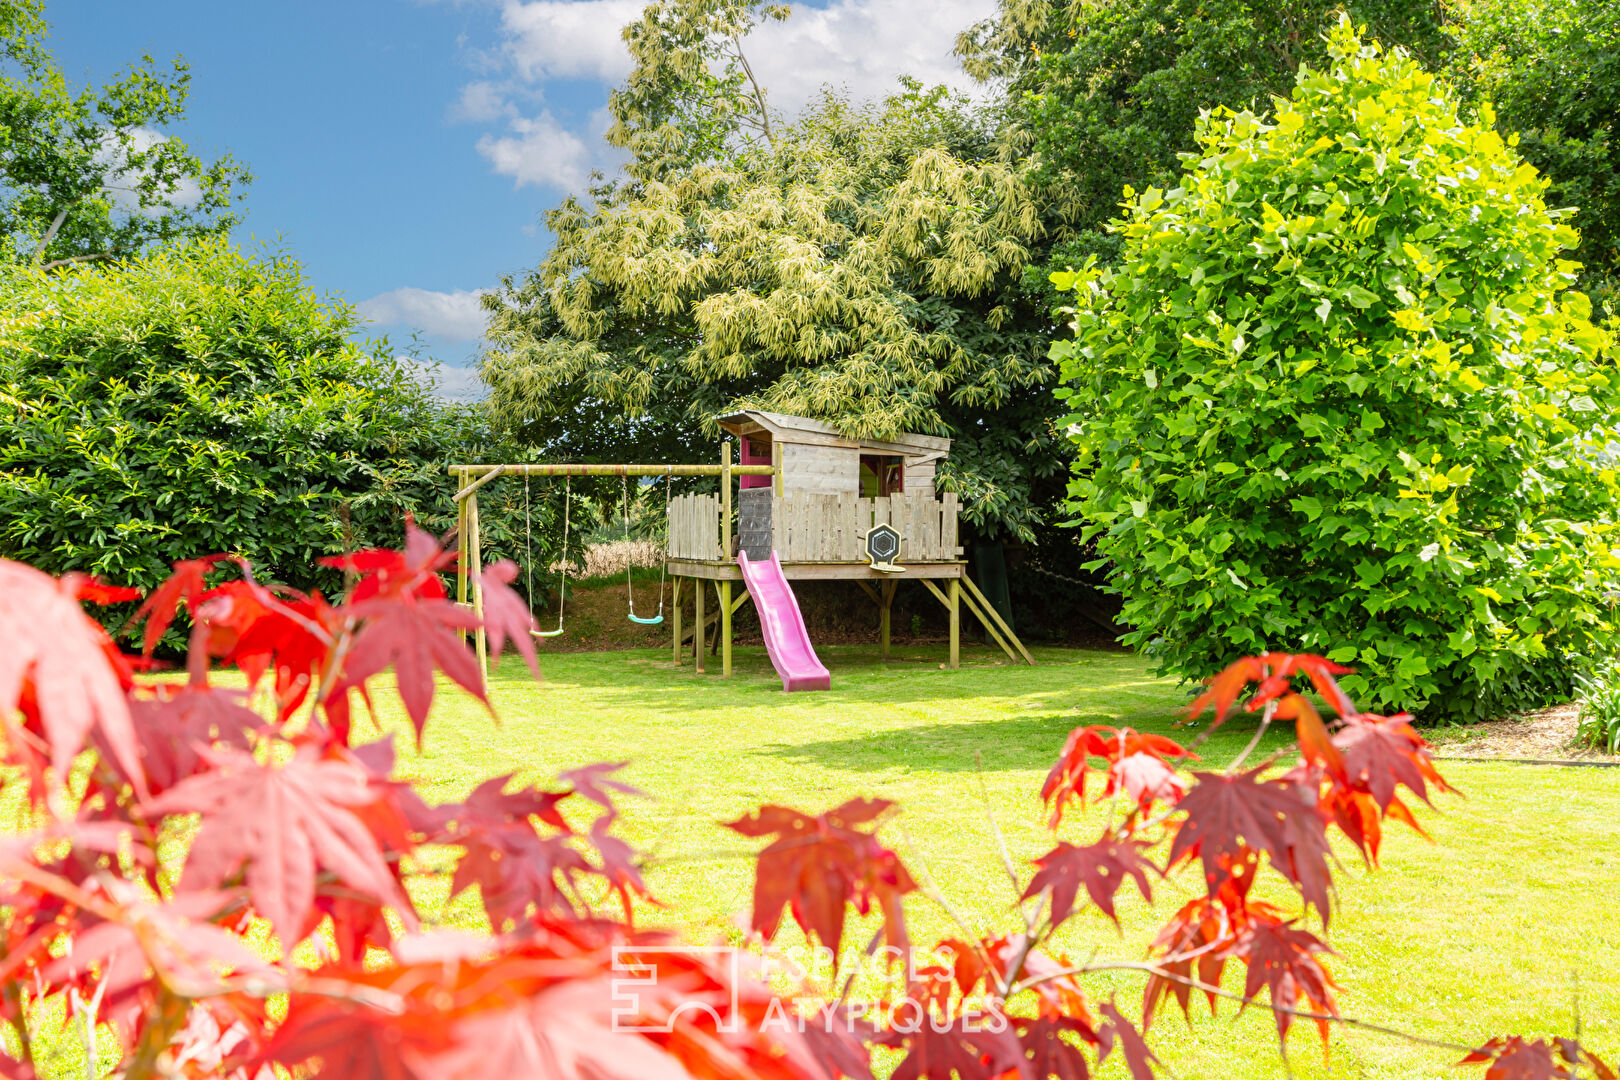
<point>825,528</point>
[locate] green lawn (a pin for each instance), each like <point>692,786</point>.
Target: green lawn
<point>1493,928</point>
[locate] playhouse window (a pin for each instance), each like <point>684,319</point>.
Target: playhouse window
<point>882,475</point>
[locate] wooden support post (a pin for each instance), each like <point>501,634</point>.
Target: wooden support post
<point>725,627</point>
<point>675,616</point>
<point>887,602</point>
<point>725,512</point>
<point>475,567</point>
<point>463,551</point>
<point>697,627</point>
<point>776,463</point>
<point>956,623</point>
<point>995,617</point>
<point>984,620</point>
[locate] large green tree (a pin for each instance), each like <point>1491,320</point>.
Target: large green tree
<point>861,264</point>
<point>1104,95</point>
<point>88,173</point>
<point>1340,396</point>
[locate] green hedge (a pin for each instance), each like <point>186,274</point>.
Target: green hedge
<point>198,400</point>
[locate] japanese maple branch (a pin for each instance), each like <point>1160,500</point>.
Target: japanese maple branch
<point>1208,988</point>
<point>1259,733</point>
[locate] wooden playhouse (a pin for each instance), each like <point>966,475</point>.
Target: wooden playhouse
<point>824,493</point>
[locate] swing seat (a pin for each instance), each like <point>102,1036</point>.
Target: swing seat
<point>546,633</point>
<point>656,620</point>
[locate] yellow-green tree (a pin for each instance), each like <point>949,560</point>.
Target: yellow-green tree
<point>861,265</point>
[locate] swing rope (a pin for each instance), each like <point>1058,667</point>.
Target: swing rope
<point>528,548</point>
<point>663,569</point>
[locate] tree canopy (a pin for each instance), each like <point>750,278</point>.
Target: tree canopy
<point>88,173</point>
<point>1552,70</point>
<point>1102,96</point>
<point>862,267</point>
<point>1341,396</point>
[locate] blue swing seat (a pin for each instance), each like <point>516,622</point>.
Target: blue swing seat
<point>654,621</point>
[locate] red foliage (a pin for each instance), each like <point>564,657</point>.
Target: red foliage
<point>298,833</point>
<point>819,864</point>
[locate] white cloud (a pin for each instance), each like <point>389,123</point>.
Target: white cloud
<point>447,383</point>
<point>862,46</point>
<point>539,150</point>
<point>480,102</point>
<point>122,180</point>
<point>570,39</point>
<point>454,316</point>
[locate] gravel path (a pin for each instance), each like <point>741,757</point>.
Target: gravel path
<point>1546,734</point>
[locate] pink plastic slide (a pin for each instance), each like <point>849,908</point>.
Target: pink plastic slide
<point>785,637</point>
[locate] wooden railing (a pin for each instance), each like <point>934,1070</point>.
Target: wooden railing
<point>694,527</point>
<point>824,528</point>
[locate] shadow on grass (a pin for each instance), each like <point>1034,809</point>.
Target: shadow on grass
<point>1062,679</point>
<point>1013,744</point>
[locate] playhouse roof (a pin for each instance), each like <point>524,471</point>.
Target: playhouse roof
<point>802,429</point>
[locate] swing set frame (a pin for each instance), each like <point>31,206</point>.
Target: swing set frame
<point>469,540</point>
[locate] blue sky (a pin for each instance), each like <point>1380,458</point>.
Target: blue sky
<point>406,150</point>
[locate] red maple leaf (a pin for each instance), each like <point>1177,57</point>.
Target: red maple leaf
<point>93,590</point>
<point>595,782</point>
<point>138,940</point>
<point>1052,1046</point>
<point>1283,960</point>
<point>1382,753</point>
<point>1315,744</point>
<point>1067,778</point>
<point>285,822</point>
<point>1102,868</point>
<point>1116,1032</point>
<point>506,616</point>
<point>566,1030</point>
<point>388,574</point>
<point>1195,940</point>
<point>1516,1058</point>
<point>511,863</point>
<point>969,1046</point>
<point>60,670</point>
<point>1225,688</point>
<point>818,864</point>
<point>1230,814</point>
<point>185,585</point>
<point>292,634</point>
<point>415,637</point>
<point>178,721</point>
<point>1145,779</point>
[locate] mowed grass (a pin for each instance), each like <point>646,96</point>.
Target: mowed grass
<point>1505,923</point>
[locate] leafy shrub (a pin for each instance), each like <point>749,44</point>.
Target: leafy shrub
<point>1340,396</point>
<point>1598,722</point>
<point>195,400</point>
<point>302,839</point>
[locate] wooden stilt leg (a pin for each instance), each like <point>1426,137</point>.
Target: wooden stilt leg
<point>675,616</point>
<point>697,627</point>
<point>725,629</point>
<point>886,603</point>
<point>474,568</point>
<point>463,549</point>
<point>956,623</point>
